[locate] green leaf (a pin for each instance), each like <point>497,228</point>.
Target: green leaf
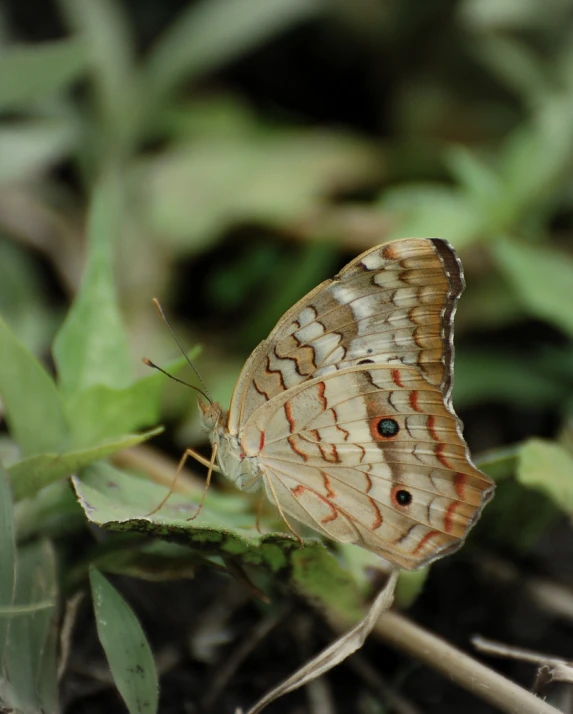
<point>128,653</point>
<point>91,347</point>
<point>30,147</point>
<point>37,472</point>
<point>30,73</point>
<point>28,668</point>
<point>107,35</point>
<point>432,211</point>
<point>542,277</point>
<point>271,178</point>
<point>479,181</point>
<point>547,467</point>
<point>499,463</point>
<point>410,586</point>
<point>101,413</point>
<point>23,300</point>
<point>33,409</point>
<point>52,513</point>
<point>7,556</point>
<point>214,32</point>
<point>536,158</point>
<point>119,502</point>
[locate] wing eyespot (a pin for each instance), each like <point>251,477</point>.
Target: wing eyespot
<point>384,428</point>
<point>401,497</point>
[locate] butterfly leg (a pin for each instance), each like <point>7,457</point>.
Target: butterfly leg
<point>212,467</point>
<point>186,454</point>
<point>280,510</point>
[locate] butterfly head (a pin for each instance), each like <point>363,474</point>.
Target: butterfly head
<point>212,415</point>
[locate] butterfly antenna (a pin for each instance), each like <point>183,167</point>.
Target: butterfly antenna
<point>204,391</point>
<point>149,363</point>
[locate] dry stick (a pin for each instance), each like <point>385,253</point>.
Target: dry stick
<point>499,649</point>
<point>458,667</point>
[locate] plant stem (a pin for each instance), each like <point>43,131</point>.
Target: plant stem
<point>458,667</point>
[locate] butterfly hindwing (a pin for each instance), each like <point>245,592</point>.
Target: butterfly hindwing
<point>373,456</point>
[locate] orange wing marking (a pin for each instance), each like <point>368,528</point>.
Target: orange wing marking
<point>425,539</point>
<point>459,485</point>
<point>448,524</point>
<point>368,482</point>
<point>330,455</point>
<point>413,399</point>
<point>377,515</point>
<point>396,378</point>
<point>262,441</point>
<point>295,448</point>
<point>346,433</point>
<point>440,456</point>
<point>297,491</point>
<point>431,424</point>
<point>290,420</point>
<point>321,389</point>
<point>329,492</point>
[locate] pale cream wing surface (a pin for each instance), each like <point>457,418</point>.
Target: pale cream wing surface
<point>393,304</point>
<point>345,411</point>
<point>372,456</point>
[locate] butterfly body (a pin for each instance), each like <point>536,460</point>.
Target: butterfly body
<point>344,413</point>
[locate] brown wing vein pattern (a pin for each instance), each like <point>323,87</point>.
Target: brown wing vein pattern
<point>347,407</point>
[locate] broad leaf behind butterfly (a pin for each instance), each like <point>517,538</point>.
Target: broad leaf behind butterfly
<point>344,413</point>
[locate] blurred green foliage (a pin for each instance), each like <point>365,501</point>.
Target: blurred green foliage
<point>131,168</point>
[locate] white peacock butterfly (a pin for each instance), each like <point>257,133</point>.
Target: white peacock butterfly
<point>344,413</point>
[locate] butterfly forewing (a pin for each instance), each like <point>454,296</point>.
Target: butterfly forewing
<point>393,304</point>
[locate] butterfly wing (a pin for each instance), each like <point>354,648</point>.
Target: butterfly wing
<point>372,456</point>
<point>394,304</point>
<point>346,407</point>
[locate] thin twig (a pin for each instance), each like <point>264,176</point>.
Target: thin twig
<point>458,667</point>
<point>498,649</point>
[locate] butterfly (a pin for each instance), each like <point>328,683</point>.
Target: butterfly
<point>344,413</point>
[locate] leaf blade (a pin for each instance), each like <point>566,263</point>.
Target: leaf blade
<point>542,278</point>
<point>35,414</point>
<point>30,72</point>
<point>91,347</point>
<point>30,475</point>
<point>127,650</point>
<point>547,467</point>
